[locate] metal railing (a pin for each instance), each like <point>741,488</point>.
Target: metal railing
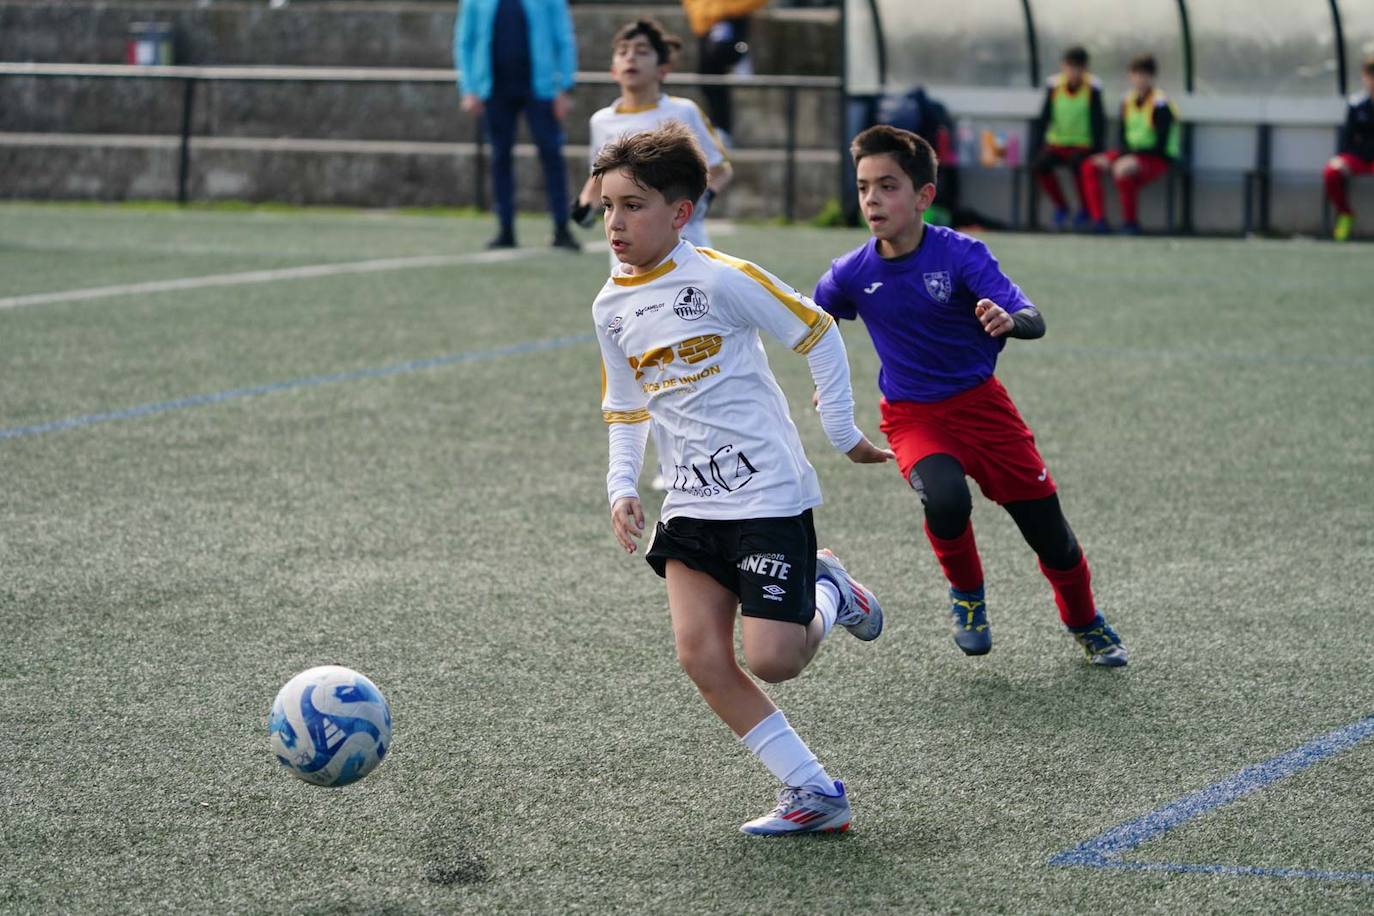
<point>191,77</point>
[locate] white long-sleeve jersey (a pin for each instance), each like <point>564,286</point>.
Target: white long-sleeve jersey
<point>681,344</point>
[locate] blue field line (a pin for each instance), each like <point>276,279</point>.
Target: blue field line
<point>1203,357</point>
<point>1107,849</point>
<point>1179,868</point>
<point>353,375</point>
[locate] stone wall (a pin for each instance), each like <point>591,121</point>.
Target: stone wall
<point>70,167</point>
<point>363,34</point>
<point>115,138</point>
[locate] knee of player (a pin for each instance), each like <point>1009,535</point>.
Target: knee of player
<point>775,667</point>
<point>949,501</point>
<point>1337,164</point>
<point>705,663</point>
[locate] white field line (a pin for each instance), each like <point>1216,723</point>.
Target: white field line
<point>263,276</point>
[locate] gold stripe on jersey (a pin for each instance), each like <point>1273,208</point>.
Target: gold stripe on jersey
<point>817,332</point>
<point>638,415</point>
<point>819,322</point>
<point>635,109</point>
<point>638,279</point>
<point>711,129</point>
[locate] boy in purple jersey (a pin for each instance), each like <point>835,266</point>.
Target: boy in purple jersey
<point>940,310</point>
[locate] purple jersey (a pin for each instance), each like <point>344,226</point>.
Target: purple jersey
<point>919,311</point>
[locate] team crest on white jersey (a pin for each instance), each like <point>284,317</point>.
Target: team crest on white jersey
<point>616,326</point>
<point>939,285</point>
<point>691,303</point>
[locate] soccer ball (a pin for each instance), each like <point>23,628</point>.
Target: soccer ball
<point>330,726</point>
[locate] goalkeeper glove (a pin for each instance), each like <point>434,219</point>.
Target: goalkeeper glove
<point>583,215</point>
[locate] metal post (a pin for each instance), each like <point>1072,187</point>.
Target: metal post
<point>789,178</point>
<point>1187,178</point>
<point>188,100</point>
<point>843,108</point>
<point>1264,157</point>
<point>1186,33</point>
<point>1032,44</point>
<point>1341,82</point>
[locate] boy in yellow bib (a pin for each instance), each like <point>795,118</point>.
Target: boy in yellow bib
<point>1148,143</point>
<point>1072,127</point>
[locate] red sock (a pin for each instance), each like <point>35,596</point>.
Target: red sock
<point>1092,192</point>
<point>959,559</point>
<point>1050,185</point>
<point>1130,194</point>
<point>1334,179</point>
<point>1080,185</point>
<point>1073,592</point>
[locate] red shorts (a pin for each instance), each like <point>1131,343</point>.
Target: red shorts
<point>1152,165</point>
<point>983,430</point>
<point>1355,165</point>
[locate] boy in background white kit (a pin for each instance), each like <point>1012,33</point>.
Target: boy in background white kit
<point>640,58</point>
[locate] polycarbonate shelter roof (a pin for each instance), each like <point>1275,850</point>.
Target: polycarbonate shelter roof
<point>1208,47</point>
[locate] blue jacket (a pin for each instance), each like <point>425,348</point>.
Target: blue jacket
<point>553,52</point>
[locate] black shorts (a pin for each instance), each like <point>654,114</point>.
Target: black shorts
<point>770,563</point>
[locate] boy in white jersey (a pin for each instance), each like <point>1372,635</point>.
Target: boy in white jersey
<point>640,60</point>
<point>679,333</point>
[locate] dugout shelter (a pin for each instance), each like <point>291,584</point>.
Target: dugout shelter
<point>1260,84</point>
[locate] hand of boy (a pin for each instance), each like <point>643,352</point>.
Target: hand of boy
<point>627,521</point>
<point>562,105</point>
<point>868,453</point>
<point>994,318</point>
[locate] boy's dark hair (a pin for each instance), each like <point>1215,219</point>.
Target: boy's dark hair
<point>666,159</point>
<point>651,31</point>
<point>673,43</point>
<point>1368,66</point>
<point>915,156</point>
<point>1076,56</point>
<point>1144,63</point>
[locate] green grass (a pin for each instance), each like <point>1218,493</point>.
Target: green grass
<point>1207,407</point>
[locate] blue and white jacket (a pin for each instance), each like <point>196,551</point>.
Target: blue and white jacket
<point>553,50</point>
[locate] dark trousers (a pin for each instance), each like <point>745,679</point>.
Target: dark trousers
<point>501,113</point>
<point>720,50</point>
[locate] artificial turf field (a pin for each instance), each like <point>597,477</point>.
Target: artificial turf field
<point>167,561</point>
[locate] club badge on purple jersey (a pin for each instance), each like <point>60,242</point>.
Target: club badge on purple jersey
<point>939,285</point>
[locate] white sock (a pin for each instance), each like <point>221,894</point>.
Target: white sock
<point>785,754</point>
<point>827,603</point>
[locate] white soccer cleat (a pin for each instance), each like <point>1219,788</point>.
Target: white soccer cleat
<point>803,810</point>
<point>860,613</point>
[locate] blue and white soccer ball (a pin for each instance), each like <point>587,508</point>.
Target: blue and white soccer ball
<point>330,726</point>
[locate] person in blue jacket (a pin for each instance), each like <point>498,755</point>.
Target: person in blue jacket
<point>513,56</point>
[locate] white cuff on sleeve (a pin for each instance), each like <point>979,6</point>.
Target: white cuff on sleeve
<point>627,442</point>
<point>830,370</point>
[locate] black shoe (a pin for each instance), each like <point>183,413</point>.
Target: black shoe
<point>562,238</point>
<point>503,239</point>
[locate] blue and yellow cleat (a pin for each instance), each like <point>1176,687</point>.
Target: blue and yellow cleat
<point>969,614</point>
<point>1345,222</point>
<point>1100,642</point>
